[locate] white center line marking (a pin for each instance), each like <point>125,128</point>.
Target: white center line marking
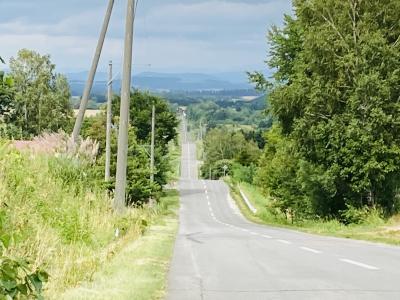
<point>356,263</point>
<point>310,250</point>
<point>284,242</point>
<point>253,233</point>
<point>267,236</point>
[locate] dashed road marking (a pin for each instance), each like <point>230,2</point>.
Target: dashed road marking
<point>310,250</point>
<point>284,242</point>
<point>266,236</point>
<point>359,264</point>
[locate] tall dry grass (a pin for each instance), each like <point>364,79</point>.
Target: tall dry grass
<point>60,217</point>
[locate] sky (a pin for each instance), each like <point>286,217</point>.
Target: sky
<point>207,36</point>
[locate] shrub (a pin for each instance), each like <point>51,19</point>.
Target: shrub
<point>364,215</point>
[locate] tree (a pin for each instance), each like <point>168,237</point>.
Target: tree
<point>336,98</point>
<point>223,146</point>
<point>139,187</point>
<point>7,105</point>
<point>140,118</point>
<point>42,98</point>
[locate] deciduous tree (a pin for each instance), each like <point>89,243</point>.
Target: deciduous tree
<point>42,97</point>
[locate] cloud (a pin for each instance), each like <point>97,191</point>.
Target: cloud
<point>174,34</point>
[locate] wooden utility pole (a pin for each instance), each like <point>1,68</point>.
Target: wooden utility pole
<point>109,120</point>
<point>122,158</point>
<point>153,127</point>
<point>92,72</point>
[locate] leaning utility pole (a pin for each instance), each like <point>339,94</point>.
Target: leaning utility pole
<point>120,185</point>
<point>92,72</point>
<point>153,124</point>
<point>109,120</point>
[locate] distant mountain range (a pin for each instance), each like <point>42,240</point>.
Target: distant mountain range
<point>164,82</point>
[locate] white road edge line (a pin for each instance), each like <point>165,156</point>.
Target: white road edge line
<point>284,242</point>
<point>310,250</point>
<point>359,264</point>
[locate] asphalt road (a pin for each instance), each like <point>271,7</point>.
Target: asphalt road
<point>220,255</point>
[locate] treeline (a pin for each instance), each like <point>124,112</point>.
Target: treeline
<point>36,100</point>
<point>214,113</point>
<point>334,147</point>
<point>57,225</point>
<point>186,98</point>
<point>33,98</point>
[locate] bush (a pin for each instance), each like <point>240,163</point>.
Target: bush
<point>364,215</point>
<point>244,173</point>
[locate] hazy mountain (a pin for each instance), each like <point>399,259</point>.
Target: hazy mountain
<point>164,81</point>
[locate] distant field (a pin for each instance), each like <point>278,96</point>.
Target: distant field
<point>89,112</point>
<point>250,98</point>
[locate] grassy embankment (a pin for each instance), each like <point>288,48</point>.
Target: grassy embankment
<point>373,228</point>
<point>139,270</point>
<point>62,221</point>
<point>175,161</point>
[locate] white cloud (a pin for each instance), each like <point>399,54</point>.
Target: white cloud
<point>212,35</point>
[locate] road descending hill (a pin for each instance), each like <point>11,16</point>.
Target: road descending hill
<point>220,255</point>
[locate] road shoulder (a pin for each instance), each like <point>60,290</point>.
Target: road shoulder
<point>139,271</point>
<point>381,233</point>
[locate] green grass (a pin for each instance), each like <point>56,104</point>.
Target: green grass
<point>139,270</point>
<point>199,150</point>
<point>254,194</point>
<point>175,161</point>
<point>61,220</point>
<point>374,229</point>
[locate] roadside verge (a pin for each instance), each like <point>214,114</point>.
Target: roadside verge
<point>139,270</point>
<point>382,231</point>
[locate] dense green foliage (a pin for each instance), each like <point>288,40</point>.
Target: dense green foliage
<point>214,113</point>
<point>38,99</point>
<point>139,188</point>
<point>226,147</point>
<point>336,98</point>
<point>7,105</point>
<point>17,280</point>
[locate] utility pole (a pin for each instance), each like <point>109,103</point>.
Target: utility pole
<point>92,72</point>
<point>122,158</point>
<point>153,126</point>
<point>109,120</point>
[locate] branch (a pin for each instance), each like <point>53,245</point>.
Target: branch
<point>332,24</point>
